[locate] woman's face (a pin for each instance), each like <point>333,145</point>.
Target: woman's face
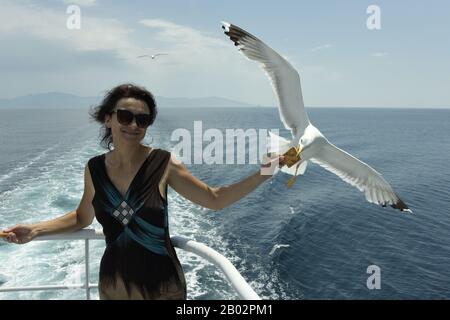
<point>127,133</point>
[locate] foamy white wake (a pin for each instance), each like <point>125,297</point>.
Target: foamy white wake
<point>56,188</point>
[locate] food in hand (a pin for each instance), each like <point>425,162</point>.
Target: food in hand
<point>292,156</point>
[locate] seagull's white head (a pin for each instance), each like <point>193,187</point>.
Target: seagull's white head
<point>310,142</point>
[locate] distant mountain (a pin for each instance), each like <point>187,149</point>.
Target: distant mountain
<point>49,100</point>
<point>66,101</point>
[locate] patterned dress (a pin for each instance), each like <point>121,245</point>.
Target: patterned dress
<point>139,261</point>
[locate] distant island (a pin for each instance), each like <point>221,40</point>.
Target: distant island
<point>69,101</point>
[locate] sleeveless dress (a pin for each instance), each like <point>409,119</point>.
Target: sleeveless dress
<point>139,261</point>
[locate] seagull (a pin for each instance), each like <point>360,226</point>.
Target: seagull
<point>309,142</point>
<point>278,246</point>
<point>153,56</point>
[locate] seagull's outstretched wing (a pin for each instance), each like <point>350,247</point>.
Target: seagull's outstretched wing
<point>285,79</point>
<point>360,175</point>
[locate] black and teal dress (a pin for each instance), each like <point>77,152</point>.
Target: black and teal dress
<point>136,229</point>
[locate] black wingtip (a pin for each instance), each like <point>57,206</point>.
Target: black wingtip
<point>400,205</point>
<point>236,33</point>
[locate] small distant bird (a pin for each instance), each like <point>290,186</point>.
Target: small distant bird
<point>278,246</point>
<point>153,56</point>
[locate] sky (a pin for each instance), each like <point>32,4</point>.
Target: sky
<point>341,62</point>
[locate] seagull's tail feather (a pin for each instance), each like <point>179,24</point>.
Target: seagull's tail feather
<point>280,145</point>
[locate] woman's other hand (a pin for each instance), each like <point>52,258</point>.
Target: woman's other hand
<point>20,234</point>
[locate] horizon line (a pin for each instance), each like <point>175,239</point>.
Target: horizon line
<point>249,105</point>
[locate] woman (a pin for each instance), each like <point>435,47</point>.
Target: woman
<point>126,190</point>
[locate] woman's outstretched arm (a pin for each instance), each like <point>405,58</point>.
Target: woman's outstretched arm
<point>71,221</point>
<point>215,198</point>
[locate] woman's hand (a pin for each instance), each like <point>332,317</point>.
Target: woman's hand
<point>20,234</point>
<point>270,163</point>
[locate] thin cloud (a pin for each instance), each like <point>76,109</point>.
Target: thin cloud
<point>187,46</point>
<point>379,54</point>
<point>85,3</point>
<point>322,47</point>
<point>96,34</point>
<point>204,61</point>
<point>169,32</point>
<point>198,63</point>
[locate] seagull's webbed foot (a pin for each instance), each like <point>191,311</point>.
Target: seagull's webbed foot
<point>292,156</point>
<point>293,178</point>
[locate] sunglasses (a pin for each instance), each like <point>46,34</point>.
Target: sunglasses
<point>126,117</point>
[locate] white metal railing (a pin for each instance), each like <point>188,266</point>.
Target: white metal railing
<point>238,283</point>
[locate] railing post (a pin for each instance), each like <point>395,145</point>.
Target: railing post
<point>86,263</point>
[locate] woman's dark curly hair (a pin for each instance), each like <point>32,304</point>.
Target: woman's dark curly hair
<point>109,102</point>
